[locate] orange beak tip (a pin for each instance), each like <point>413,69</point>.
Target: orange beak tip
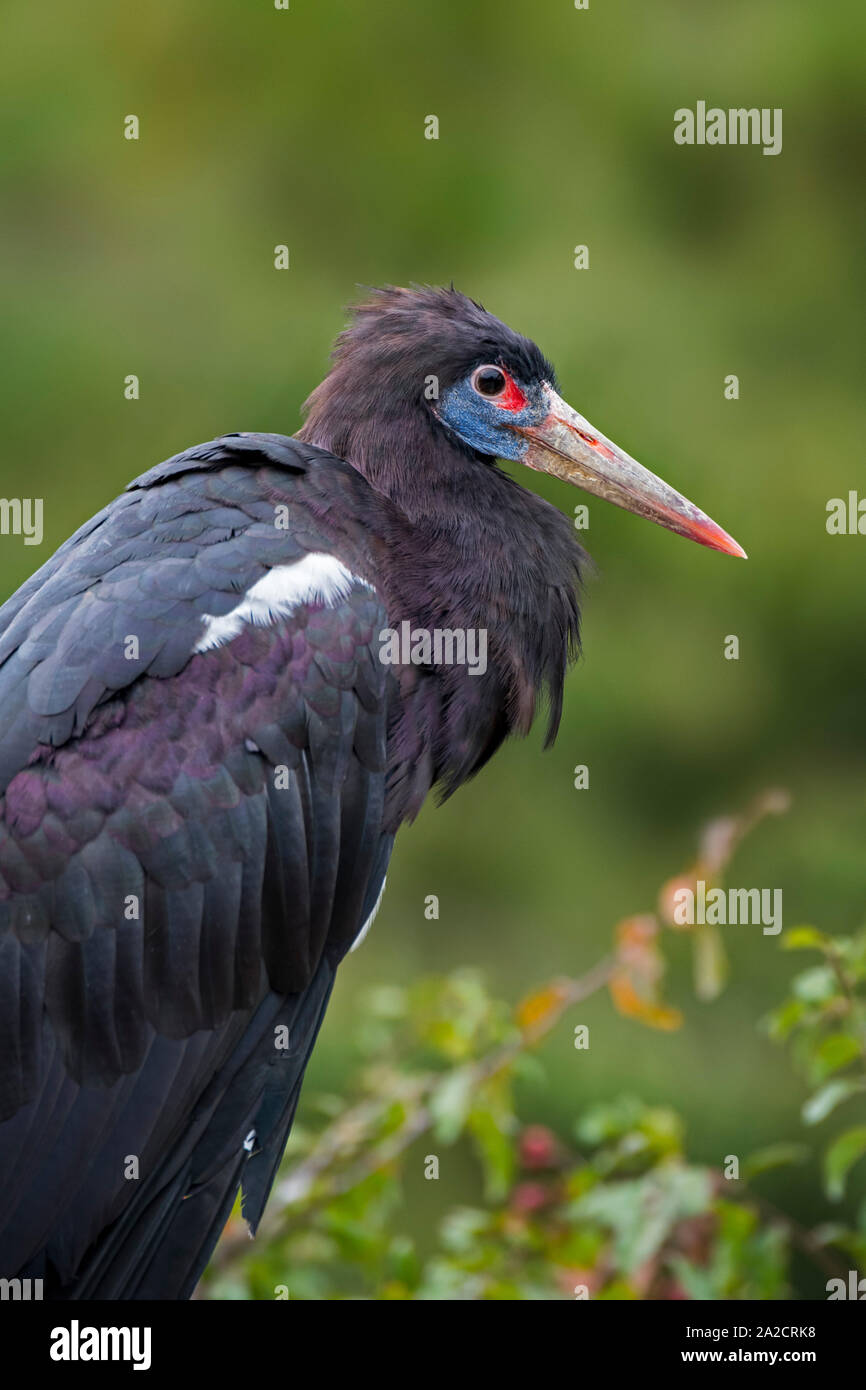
<point>730,547</point>
<point>715,538</point>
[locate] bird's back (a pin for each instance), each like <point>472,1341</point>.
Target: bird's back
<point>193,726</point>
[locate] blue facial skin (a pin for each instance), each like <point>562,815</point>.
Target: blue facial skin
<point>482,424</point>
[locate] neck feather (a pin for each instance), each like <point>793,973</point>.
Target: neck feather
<point>465,548</point>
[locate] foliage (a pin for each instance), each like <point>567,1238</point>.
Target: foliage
<point>260,126</point>
<point>614,1210</point>
<point>824,1017</point>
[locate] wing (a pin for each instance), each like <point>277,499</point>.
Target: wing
<point>192,759</point>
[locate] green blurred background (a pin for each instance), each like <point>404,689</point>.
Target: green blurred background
<point>306,127</point>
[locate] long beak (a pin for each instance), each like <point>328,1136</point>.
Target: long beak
<point>566,445</point>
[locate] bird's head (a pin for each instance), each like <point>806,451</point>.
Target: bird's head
<point>434,358</point>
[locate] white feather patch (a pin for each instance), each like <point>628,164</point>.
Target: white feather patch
<point>370,920</point>
<point>318,578</point>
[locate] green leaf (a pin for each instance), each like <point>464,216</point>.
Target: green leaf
<point>817,985</point>
<point>824,1101</point>
<point>698,1283</point>
<point>618,1291</point>
<point>784,1020</point>
<point>402,1263</point>
<point>853,952</point>
<point>450,1103</point>
<point>834,1051</point>
<point>774,1156</point>
<point>804,939</point>
<point>530,1068</point>
<point>641,1214</point>
<point>840,1159</point>
<point>609,1119</point>
<point>490,1125</point>
<point>462,1228</point>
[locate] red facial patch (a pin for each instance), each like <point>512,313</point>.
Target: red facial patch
<point>512,397</point>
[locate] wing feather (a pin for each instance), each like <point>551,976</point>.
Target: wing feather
<point>188,844</point>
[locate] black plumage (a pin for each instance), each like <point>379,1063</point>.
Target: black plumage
<point>192,834</point>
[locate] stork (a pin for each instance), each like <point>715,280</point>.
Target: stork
<point>205,756</point>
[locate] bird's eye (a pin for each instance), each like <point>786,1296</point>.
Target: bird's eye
<point>489,381</point>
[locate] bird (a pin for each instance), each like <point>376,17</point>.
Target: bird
<point>205,758</point>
